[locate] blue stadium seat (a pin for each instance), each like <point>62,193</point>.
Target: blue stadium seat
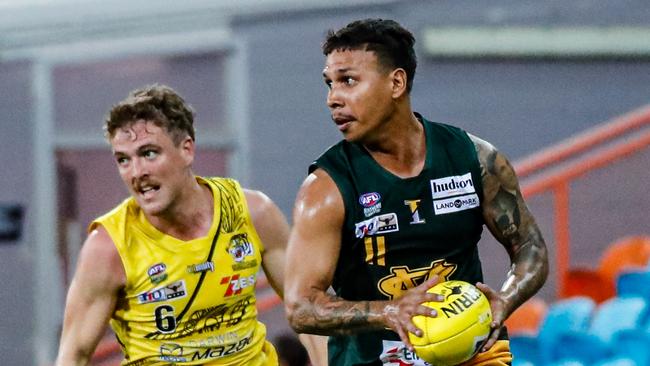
<point>580,346</point>
<point>617,314</point>
<point>525,349</point>
<point>596,344</point>
<point>567,315</point>
<point>633,283</point>
<point>633,344</point>
<point>520,362</point>
<point>567,362</point>
<point>617,361</point>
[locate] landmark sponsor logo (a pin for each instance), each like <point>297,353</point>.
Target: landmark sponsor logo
<point>455,204</point>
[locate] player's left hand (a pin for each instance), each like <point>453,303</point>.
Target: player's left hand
<point>498,306</point>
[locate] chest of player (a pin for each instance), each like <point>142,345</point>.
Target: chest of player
<point>201,281</point>
<point>427,211</point>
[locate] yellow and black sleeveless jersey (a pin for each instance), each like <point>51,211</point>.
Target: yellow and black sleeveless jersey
<point>190,302</point>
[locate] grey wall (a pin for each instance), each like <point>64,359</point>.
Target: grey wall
<point>16,267</point>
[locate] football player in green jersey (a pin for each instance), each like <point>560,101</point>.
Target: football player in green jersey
<point>397,206</point>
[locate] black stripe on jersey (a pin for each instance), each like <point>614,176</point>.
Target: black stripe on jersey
<point>203,274</point>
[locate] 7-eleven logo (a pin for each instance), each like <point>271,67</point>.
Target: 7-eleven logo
<point>236,284</point>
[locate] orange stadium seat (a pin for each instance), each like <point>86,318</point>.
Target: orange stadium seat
<point>527,317</point>
<point>632,252</point>
<point>588,282</point>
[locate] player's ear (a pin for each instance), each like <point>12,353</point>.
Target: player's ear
<point>398,80</point>
<point>188,148</point>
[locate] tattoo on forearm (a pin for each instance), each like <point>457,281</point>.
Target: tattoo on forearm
<point>333,315</point>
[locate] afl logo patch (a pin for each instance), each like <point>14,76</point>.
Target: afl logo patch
<point>369,199</point>
<point>157,273</point>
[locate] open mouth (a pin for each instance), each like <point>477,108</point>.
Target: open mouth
<point>148,191</point>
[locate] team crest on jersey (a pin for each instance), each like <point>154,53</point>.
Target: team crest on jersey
<point>239,249</point>
<point>157,273</point>
<point>371,203</point>
<point>172,291</point>
<point>402,278</point>
<point>380,224</point>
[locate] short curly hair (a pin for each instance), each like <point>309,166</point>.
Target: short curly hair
<point>392,43</point>
<point>156,103</point>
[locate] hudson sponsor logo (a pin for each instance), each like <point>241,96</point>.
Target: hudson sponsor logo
<point>455,204</point>
<point>174,290</point>
<point>395,353</point>
<point>157,273</point>
<point>452,186</point>
<point>385,223</point>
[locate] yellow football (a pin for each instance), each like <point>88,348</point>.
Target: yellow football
<point>462,324</point>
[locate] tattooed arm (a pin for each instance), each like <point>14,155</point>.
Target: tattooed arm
<point>312,256</point>
<point>509,220</point>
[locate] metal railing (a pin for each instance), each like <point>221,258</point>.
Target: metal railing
<point>573,158</point>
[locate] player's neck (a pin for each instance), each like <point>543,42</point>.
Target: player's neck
<point>401,146</point>
<point>189,216</point>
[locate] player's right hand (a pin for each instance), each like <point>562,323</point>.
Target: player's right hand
<point>399,312</point>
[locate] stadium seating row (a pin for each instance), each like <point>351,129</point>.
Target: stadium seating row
<point>580,331</point>
<point>632,252</point>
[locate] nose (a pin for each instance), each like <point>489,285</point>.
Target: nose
<point>138,168</point>
<point>334,99</point>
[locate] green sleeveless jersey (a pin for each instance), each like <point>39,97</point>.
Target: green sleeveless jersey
<point>399,232</point>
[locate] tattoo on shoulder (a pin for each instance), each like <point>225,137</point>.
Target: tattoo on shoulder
<point>503,202</point>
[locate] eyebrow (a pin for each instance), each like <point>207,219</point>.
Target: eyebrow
<point>148,147</point>
<point>337,71</point>
<point>139,150</point>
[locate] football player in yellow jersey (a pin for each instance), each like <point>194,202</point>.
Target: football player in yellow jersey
<point>173,268</point>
